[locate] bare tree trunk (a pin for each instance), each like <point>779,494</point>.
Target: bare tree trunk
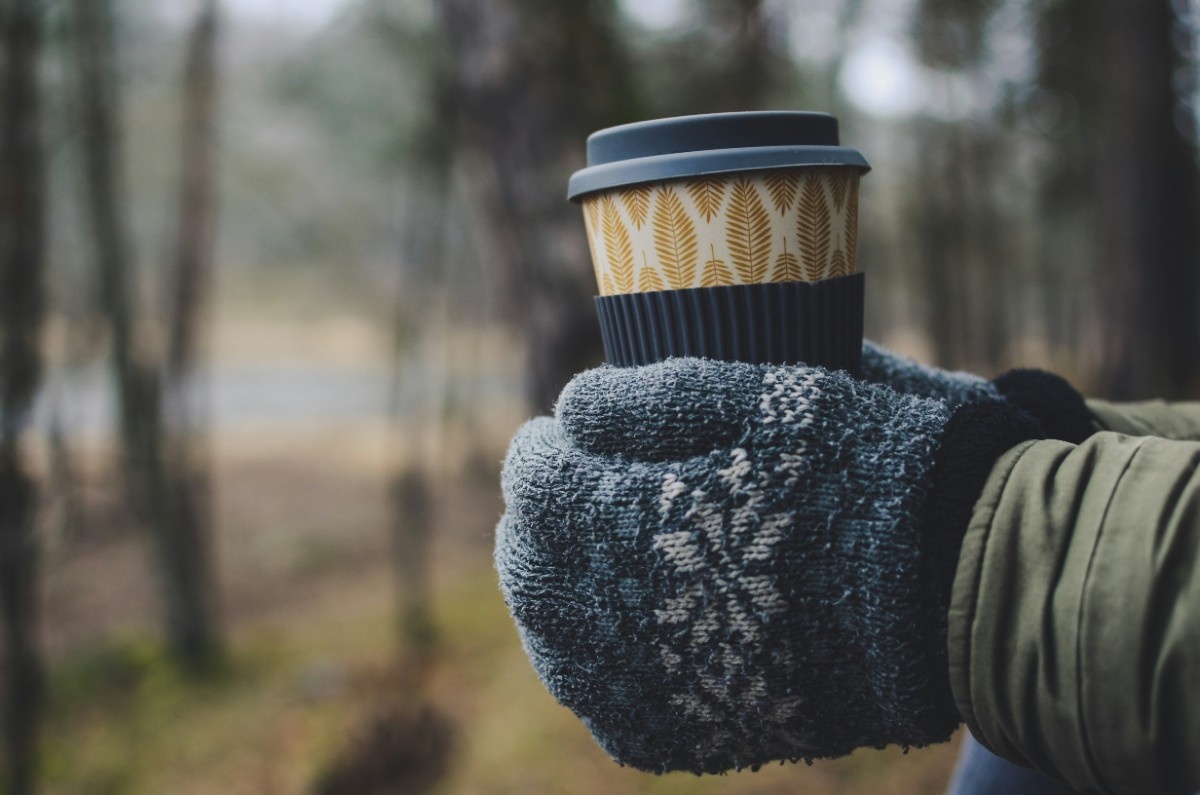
<point>197,198</point>
<point>412,531</point>
<point>416,447</point>
<point>751,79</point>
<point>187,550</point>
<point>1127,175</point>
<point>966,249</point>
<point>105,197</point>
<point>22,265</point>
<point>527,81</point>
<point>1150,203</point>
<point>964,254</point>
<point>1072,55</point>
<point>943,243</point>
<point>164,500</point>
<point>850,11</point>
<point>991,251</point>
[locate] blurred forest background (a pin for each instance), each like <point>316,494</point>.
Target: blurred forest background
<point>278,280</point>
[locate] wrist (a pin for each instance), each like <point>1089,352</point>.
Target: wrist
<point>975,437</point>
<point>1050,400</point>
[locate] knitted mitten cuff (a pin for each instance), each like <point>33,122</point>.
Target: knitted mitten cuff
<point>974,438</point>
<point>1044,396</point>
<point>881,366</point>
<point>1050,400</point>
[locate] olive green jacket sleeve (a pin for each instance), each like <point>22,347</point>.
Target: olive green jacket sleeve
<point>1148,418</point>
<point>1074,632</point>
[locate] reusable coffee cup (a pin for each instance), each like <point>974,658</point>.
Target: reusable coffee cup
<point>730,236</point>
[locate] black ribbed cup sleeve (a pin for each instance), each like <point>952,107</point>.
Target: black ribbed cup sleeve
<point>814,323</point>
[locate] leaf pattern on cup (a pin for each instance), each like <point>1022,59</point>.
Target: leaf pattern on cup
<point>748,232</point>
<point>617,248</point>
<point>674,240</point>
<point>850,233</point>
<point>839,183</point>
<point>707,194</point>
<point>838,265</point>
<point>716,273</point>
<point>649,279</point>
<point>814,229</point>
<point>591,225</point>
<point>782,186</point>
<point>787,267</point>
<point>652,237</point>
<point>636,199</point>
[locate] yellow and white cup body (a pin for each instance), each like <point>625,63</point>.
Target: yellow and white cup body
<point>782,225</point>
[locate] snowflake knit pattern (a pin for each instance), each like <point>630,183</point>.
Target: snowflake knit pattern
<point>720,565</point>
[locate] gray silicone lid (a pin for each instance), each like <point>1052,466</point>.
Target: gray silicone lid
<point>714,143</point>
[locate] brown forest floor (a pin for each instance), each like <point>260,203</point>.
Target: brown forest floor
<point>308,602</point>
<point>312,683</point>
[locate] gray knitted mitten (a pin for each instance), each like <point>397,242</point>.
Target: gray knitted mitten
<point>1050,400</point>
<point>881,366</point>
<point>718,565</point>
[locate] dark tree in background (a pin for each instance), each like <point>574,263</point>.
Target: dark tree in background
<point>160,472</point>
<point>1148,206</point>
<point>525,82</point>
<point>105,199</point>
<point>962,247</point>
<point>197,207</point>
<point>736,58</point>
<point>1125,179</point>
<point>1070,97</point>
<point>187,520</point>
<point>1113,251</point>
<point>22,267</point>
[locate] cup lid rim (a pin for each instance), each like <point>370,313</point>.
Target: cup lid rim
<point>700,163</point>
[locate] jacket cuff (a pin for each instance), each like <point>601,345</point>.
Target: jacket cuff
<point>1049,399</point>
<point>974,438</point>
<point>976,435</point>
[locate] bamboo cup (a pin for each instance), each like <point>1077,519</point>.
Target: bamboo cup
<point>731,236</point>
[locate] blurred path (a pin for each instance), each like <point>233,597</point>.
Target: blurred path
<point>271,393</point>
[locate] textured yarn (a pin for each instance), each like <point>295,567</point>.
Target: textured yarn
<point>1054,403</point>
<point>719,565</point>
<point>1047,398</point>
<point>881,366</point>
